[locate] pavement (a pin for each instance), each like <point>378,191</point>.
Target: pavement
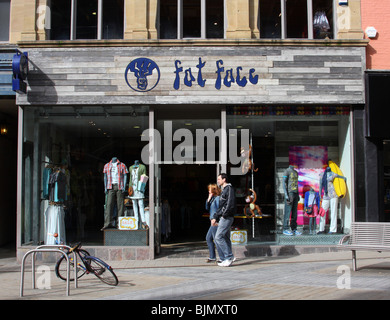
<point>312,276</point>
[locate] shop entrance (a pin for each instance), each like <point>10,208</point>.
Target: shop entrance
<point>184,189</point>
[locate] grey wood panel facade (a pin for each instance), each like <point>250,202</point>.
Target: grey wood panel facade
<point>286,74</point>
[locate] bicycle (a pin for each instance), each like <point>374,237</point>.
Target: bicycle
<point>90,264</point>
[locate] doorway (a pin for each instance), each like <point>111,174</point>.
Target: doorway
<point>184,188</point>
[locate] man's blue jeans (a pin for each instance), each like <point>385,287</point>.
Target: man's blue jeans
<point>222,238</point>
<point>290,210</point>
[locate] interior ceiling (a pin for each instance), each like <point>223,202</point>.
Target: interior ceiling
<point>8,107</point>
<point>128,121</point>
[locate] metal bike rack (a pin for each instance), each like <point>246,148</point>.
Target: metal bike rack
<point>48,248</point>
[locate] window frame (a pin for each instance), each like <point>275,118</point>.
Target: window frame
<point>203,21</point>
<point>309,21</point>
<point>73,19</point>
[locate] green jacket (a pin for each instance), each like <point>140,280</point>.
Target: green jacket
<point>141,171</point>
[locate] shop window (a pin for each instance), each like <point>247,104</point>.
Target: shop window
<point>78,141</point>
<point>97,19</point>
<point>304,136</point>
<point>180,19</point>
<point>4,18</point>
<point>299,19</point>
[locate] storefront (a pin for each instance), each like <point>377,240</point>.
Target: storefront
<point>184,111</point>
<point>376,145</point>
<point>8,146</point>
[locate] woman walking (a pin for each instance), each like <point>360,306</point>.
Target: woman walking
<point>212,204</point>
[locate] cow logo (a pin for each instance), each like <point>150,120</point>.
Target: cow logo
<point>142,74</point>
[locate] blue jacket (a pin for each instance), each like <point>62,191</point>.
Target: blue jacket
<point>316,199</point>
<point>213,207</point>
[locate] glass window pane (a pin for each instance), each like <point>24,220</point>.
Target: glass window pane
<point>296,18</point>
<point>214,19</point>
<point>4,18</point>
<point>305,137</point>
<point>323,19</point>
<point>168,19</point>
<point>78,142</point>
<point>86,25</point>
<point>113,17</point>
<point>191,19</point>
<point>270,19</point>
<point>60,19</point>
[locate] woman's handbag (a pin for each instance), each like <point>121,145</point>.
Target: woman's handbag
<point>131,191</point>
<point>309,210</point>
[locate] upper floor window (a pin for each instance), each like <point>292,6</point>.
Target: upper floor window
<point>302,19</point>
<point>181,19</point>
<point>4,19</point>
<point>86,19</point>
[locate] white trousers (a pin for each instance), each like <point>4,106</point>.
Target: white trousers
<point>139,203</point>
<point>331,204</point>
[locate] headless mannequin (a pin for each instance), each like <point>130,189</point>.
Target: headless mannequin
<point>115,190</point>
<point>291,198</point>
<point>329,200</point>
<point>136,170</point>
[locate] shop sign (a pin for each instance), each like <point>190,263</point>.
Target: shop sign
<point>238,236</point>
<point>20,71</point>
<point>127,223</point>
<point>229,76</point>
<point>143,75</point>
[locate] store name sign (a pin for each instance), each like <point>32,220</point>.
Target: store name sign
<point>143,75</point>
<point>228,76</point>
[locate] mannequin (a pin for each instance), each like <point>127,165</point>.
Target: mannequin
<point>115,178</point>
<point>330,199</point>
<point>136,170</point>
<point>291,198</point>
<point>312,201</point>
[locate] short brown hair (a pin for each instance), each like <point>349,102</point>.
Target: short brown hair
<point>214,189</point>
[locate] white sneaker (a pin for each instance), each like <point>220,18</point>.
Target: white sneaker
<point>226,263</point>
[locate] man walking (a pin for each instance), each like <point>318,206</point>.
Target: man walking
<point>224,217</point>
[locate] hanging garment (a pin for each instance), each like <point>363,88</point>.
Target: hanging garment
<point>55,224</point>
<point>45,182</point>
<point>57,186</point>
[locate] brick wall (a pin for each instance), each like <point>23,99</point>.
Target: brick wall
<point>376,13</point>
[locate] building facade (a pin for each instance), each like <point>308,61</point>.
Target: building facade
<point>376,142</point>
<point>180,86</point>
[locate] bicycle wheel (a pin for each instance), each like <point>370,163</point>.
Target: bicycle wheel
<point>61,266</point>
<point>102,270</point>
